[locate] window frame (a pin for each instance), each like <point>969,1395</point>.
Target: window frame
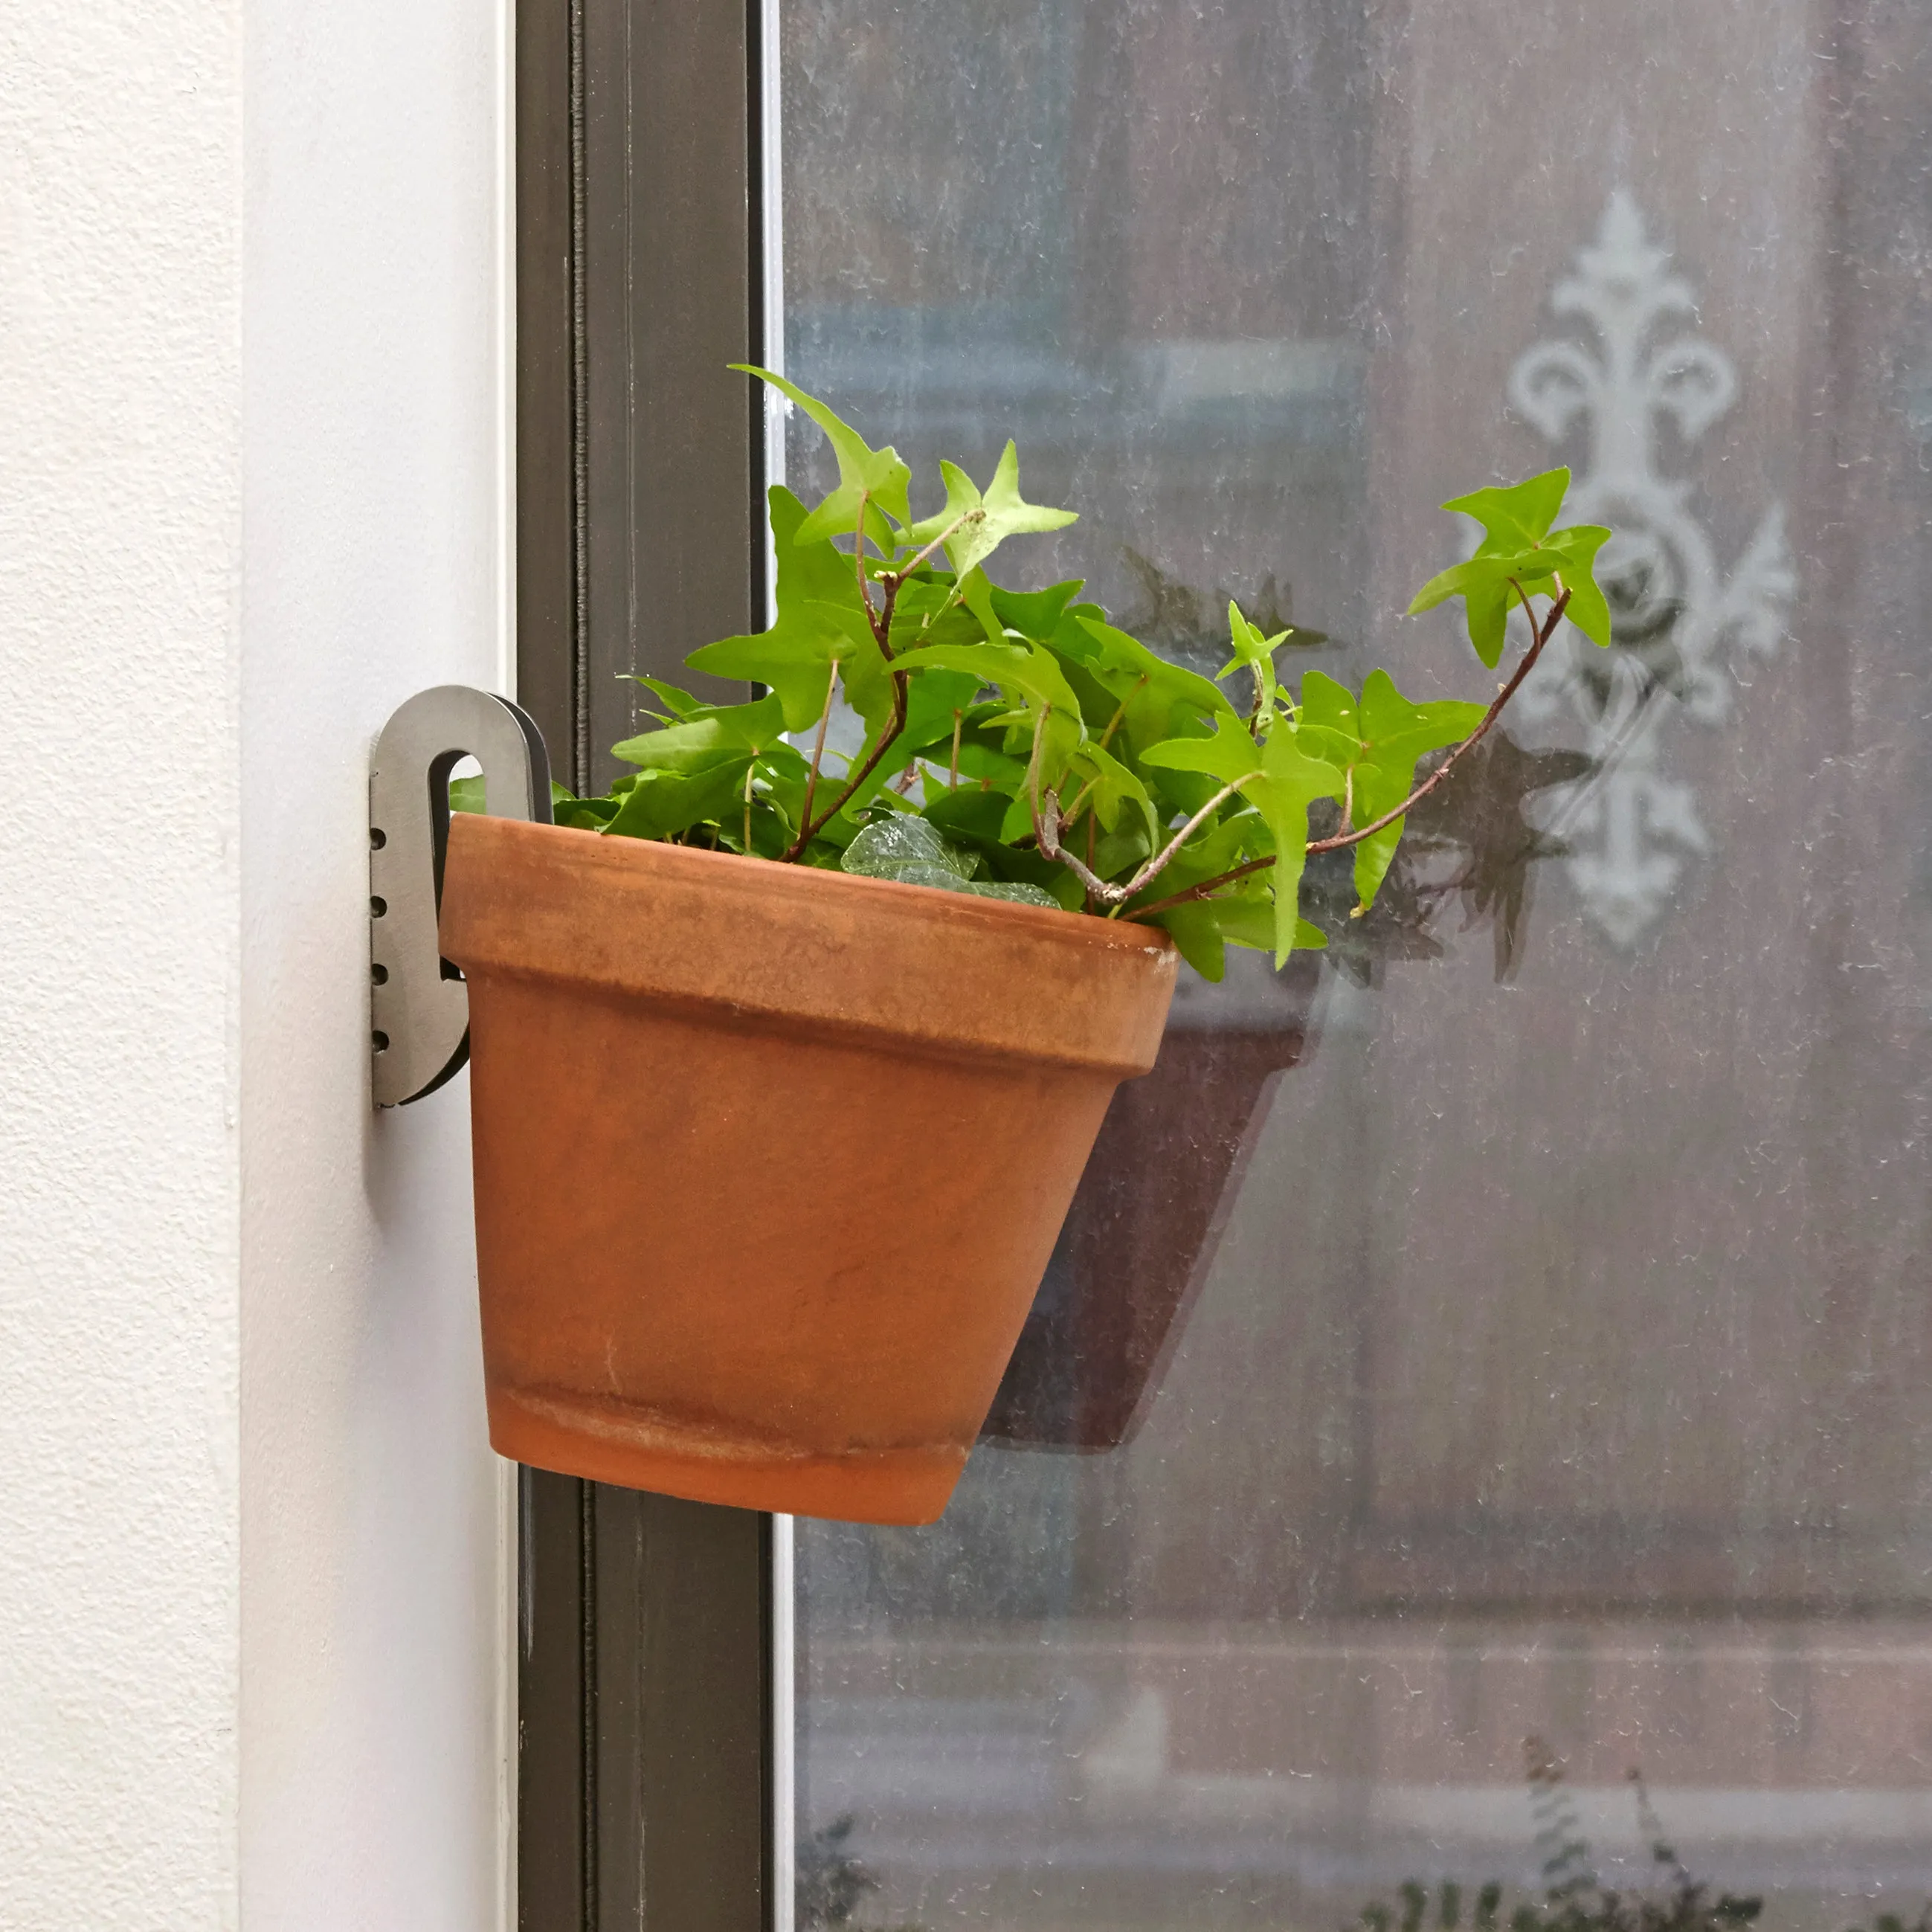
<point>651,1721</point>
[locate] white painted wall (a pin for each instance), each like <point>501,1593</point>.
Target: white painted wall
<point>251,1580</point>
<point>371,1579</point>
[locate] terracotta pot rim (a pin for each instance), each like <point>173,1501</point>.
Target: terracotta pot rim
<point>750,944</point>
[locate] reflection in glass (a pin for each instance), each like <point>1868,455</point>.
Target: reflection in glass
<point>1489,1359</point>
<point>1681,620</point>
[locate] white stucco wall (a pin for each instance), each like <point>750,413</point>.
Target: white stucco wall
<point>251,1586</point>
<point>120,532</point>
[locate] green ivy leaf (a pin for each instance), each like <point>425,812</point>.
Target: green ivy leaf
<point>1230,755</point>
<point>1290,781</point>
<point>975,592</point>
<point>1107,785</point>
<point>1035,614</point>
<point>1203,929</point>
<point>1159,695</point>
<point>1196,931</point>
<point>584,814</point>
<point>772,831</point>
<point>1017,822</point>
<point>1515,517</point>
<point>887,844</point>
<point>1200,927</point>
<point>819,622</point>
<point>1021,671</point>
<point>1588,609</point>
<point>998,771</point>
<point>1395,732</point>
<point>782,773</point>
<point>990,519</point>
<point>932,697</point>
<point>677,702</point>
<point>972,818</point>
<point>1519,550</point>
<point>929,611</point>
<point>864,473</point>
<point>913,852</point>
<point>1483,585</point>
<point>708,738</point>
<point>1281,780</point>
<point>1329,725</point>
<point>1257,653</point>
<point>664,802</point>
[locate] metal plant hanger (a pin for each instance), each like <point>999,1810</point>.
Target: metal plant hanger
<point>1681,624</point>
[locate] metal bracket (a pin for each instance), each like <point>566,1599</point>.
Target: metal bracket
<point>419,1007</point>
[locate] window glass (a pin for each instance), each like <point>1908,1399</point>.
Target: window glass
<point>1476,1425</point>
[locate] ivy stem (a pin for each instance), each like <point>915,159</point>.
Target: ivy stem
<point>1071,816</point>
<point>1541,634</point>
<point>953,771</point>
<point>1049,830</point>
<point>1033,781</point>
<point>1205,890</point>
<point>1114,723</point>
<point>818,746</point>
<point>881,622</point>
<point>965,517</point>
<point>859,560</point>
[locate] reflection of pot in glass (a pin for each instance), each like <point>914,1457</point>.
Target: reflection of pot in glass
<point>1142,1232</point>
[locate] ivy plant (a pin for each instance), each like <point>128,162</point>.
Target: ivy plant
<point>1018,745</point>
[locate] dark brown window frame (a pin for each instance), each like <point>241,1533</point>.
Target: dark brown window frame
<point>645,1793</point>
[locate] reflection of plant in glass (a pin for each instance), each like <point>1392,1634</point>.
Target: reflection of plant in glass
<point>1890,1921</point>
<point>1180,621</point>
<point>1643,630</point>
<point>1058,761</point>
<point>829,1879</point>
<point>831,1882</point>
<point>1474,842</point>
<point>1573,1898</point>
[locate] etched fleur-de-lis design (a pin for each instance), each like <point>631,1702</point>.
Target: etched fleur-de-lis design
<point>1680,623</point>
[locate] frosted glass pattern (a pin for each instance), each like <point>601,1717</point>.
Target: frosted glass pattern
<point>1493,1359</point>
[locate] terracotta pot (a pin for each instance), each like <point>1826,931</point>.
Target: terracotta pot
<point>769,1160</point>
<point>1146,1223</point>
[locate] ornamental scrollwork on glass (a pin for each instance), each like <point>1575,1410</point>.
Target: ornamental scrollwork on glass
<point>1681,624</point>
